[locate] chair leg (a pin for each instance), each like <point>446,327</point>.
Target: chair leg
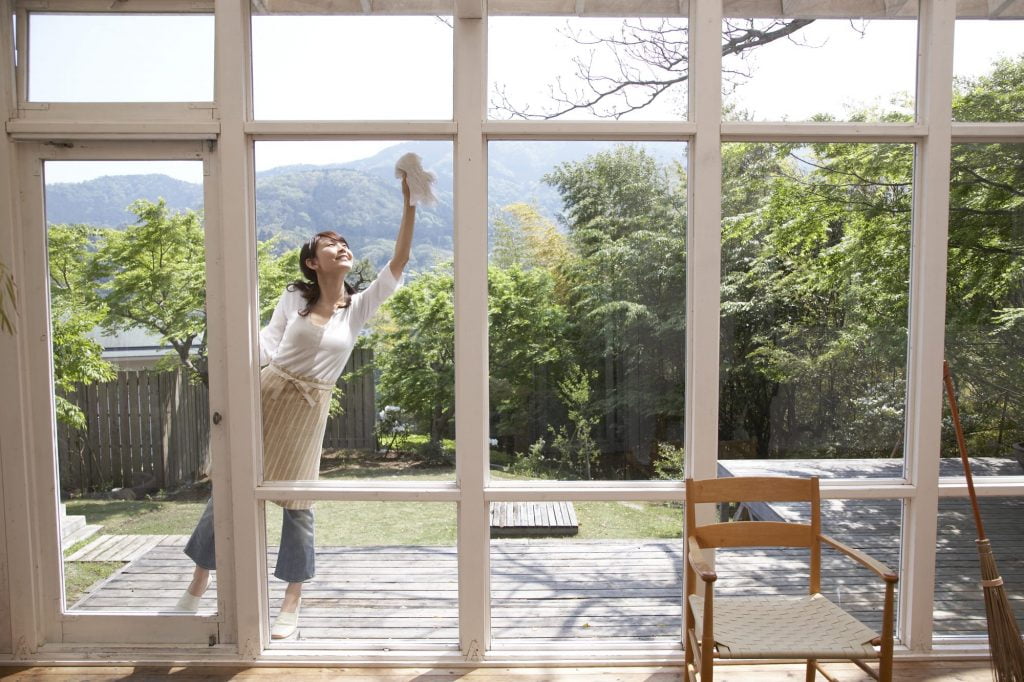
<point>811,670</point>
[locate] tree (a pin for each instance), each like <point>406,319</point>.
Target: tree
<point>650,60</point>
<point>414,346</point>
<point>152,275</point>
<point>74,312</point>
<point>815,292</point>
<point>985,271</point>
<point>414,350</point>
<point>626,220</point>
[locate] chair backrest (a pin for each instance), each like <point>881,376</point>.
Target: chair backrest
<point>757,533</point>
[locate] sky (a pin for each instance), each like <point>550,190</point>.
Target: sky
<point>356,68</point>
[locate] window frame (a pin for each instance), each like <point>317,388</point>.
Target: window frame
<point>33,129</point>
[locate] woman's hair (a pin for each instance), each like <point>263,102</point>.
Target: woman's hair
<point>310,287</point>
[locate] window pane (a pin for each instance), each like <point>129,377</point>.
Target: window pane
<point>351,67</point>
<point>987,63</point>
<point>385,572</point>
<point>959,598</point>
<point>120,58</point>
<point>985,307</point>
<point>393,414</point>
<point>804,69</point>
<point>815,260</point>
<point>587,288</point>
<point>589,68</point>
<point>615,576</point>
<point>871,526</point>
<point>129,363</point>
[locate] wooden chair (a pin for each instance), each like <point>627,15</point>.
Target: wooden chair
<point>773,626</point>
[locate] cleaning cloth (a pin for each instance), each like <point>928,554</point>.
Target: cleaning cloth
<point>421,182</point>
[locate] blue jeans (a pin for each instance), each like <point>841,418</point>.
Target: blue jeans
<point>296,558</point>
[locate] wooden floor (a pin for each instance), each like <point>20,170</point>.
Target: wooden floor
<point>905,672</point>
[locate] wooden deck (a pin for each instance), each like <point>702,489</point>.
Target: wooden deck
<point>549,590</point>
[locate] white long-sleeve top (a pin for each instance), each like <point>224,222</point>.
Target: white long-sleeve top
<point>320,352</point>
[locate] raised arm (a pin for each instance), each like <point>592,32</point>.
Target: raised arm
<point>403,243</point>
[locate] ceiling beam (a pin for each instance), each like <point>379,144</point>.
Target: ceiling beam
<point>997,8</point>
<point>469,9</point>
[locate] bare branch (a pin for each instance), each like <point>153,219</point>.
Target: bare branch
<point>629,70</point>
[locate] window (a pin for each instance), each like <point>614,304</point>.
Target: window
<point>586,68</point>
<point>131,379</point>
<point>109,57</point>
<point>861,69</point>
<point>815,268</point>
<point>349,67</point>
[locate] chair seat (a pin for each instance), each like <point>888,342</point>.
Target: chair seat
<point>785,627</point>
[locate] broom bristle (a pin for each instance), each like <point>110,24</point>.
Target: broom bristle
<point>1004,639</point>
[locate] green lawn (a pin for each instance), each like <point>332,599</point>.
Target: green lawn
<point>377,523</point>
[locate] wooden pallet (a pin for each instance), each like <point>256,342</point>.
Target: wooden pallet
<point>516,519</point>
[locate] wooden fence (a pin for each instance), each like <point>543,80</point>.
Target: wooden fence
<point>156,424</point>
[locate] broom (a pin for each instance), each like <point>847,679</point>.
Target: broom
<point>1004,640</point>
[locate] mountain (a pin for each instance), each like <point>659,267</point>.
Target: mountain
<point>359,199</point>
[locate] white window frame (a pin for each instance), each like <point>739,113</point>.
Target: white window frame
<point>28,485</point>
<point>39,610</point>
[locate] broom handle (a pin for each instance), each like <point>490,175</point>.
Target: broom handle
<point>947,379</point>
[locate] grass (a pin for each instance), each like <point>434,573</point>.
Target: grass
<point>377,523</point>
<point>80,576</point>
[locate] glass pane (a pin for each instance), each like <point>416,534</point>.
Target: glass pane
<point>129,362</point>
<point>108,57</point>
<point>849,70</point>
<point>815,261</point>
<point>586,68</point>
<point>987,63</point>
<point>351,67</point>
<point>985,308</point>
<point>587,287</point>
<point>959,598</point>
<point>871,526</point>
<point>384,573</point>
<point>605,571</point>
<point>393,403</point>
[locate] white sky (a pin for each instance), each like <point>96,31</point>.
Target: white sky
<point>355,68</point>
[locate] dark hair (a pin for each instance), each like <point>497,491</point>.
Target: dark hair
<point>310,287</point>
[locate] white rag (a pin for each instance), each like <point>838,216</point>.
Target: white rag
<point>421,182</point>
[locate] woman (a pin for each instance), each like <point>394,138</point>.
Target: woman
<point>304,349</point>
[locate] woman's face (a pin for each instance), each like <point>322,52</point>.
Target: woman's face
<point>332,256</point>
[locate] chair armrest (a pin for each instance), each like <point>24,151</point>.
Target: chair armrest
<point>880,569</point>
<point>697,561</point>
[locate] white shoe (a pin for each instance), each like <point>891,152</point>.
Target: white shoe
<point>285,624</point>
<point>188,602</point>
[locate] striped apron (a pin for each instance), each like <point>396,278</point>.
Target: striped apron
<point>294,420</point>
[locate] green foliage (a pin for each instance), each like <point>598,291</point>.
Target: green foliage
<point>152,275</point>
<point>413,343</point>
<point>814,300</point>
<point>670,462</point>
<point>625,286</point>
<point>533,463</point>
<point>573,444</point>
<point>414,350</point>
<point>433,453</point>
<point>74,312</point>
